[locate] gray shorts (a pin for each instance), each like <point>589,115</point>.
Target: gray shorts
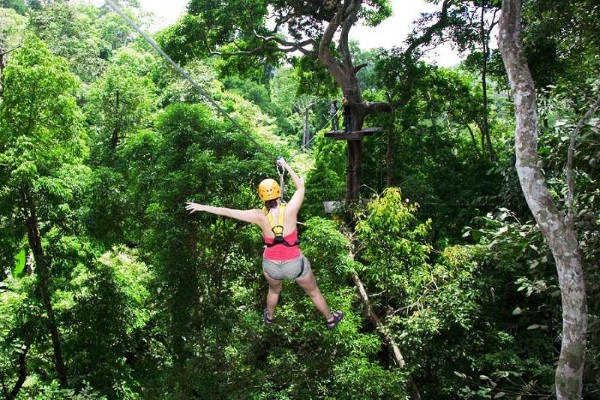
<point>290,269</point>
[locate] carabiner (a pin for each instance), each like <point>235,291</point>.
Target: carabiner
<point>280,169</point>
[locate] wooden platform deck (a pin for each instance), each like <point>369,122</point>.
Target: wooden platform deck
<point>353,135</point>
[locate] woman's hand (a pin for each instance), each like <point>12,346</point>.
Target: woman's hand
<point>281,162</point>
<point>192,207</point>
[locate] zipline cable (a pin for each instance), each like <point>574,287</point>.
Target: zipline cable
<point>183,73</point>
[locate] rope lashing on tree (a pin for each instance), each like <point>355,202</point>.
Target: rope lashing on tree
<point>183,73</point>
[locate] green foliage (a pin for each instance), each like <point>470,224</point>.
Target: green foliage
<point>152,302</point>
<point>23,334</point>
<point>391,243</point>
<point>367,76</point>
<point>243,30</point>
<point>42,144</point>
<point>284,88</point>
<point>326,181</point>
<point>114,33</point>
<point>175,89</point>
<point>552,28</point>
<point>524,277</point>
<point>12,27</point>
<point>18,5</point>
<point>562,109</point>
<point>325,243</point>
<point>228,16</point>
<point>313,77</point>
<point>297,356</point>
<point>195,157</point>
<point>120,103</point>
<point>55,392</point>
<point>258,95</point>
<point>71,32</point>
<point>444,310</point>
<point>192,38</point>
<point>111,297</point>
<point>20,259</point>
<point>434,149</point>
<point>106,207</point>
<point>39,110</point>
<point>18,322</point>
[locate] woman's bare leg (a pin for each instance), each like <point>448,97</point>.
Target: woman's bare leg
<point>273,294</point>
<point>309,284</point>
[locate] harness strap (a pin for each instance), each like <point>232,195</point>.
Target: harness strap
<point>278,229</point>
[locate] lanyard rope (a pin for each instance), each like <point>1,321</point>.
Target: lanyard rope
<point>281,173</point>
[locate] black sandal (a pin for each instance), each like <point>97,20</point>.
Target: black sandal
<point>337,317</point>
<point>266,319</point>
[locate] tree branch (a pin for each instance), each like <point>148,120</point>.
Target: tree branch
<point>377,107</point>
<point>383,332</point>
<point>22,374</point>
<point>359,67</point>
<point>426,37</point>
<point>325,54</point>
<point>350,18</point>
<point>386,336</point>
<point>290,47</point>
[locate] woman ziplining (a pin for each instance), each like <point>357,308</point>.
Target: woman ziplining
<point>282,258</point>
<point>278,263</point>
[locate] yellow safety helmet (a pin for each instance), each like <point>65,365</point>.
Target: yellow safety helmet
<point>269,189</point>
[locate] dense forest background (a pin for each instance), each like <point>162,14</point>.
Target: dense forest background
<point>109,289</point>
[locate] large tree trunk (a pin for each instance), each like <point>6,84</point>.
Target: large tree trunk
<point>354,153</point>
<point>344,72</point>
<point>35,242</point>
<point>559,234</point>
<point>485,130</point>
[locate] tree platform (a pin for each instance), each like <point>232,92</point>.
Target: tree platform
<point>353,135</point>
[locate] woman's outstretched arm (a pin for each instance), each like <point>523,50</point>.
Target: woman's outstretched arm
<point>251,216</point>
<point>298,197</point>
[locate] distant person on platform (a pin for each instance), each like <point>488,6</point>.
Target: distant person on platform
<point>347,115</point>
<point>333,110</point>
